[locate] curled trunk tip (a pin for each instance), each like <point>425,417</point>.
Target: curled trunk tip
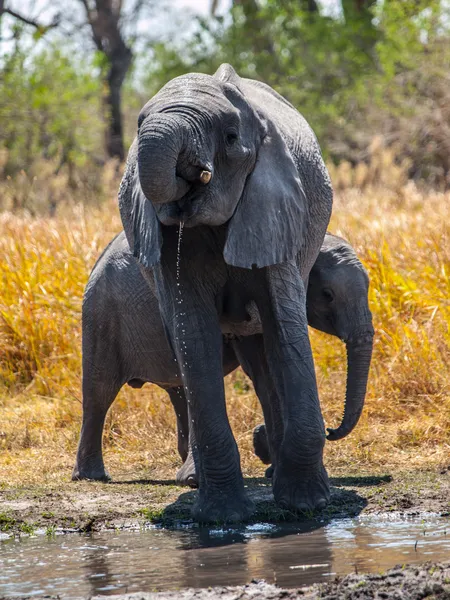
<point>358,365</point>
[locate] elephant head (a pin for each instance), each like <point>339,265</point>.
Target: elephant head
<point>337,304</point>
<point>204,155</point>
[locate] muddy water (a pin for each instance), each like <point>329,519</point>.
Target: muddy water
<point>109,563</point>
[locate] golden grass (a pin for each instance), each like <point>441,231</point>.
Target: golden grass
<point>400,233</point>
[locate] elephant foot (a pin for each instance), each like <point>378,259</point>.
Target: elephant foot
<point>301,490</point>
<point>186,475</point>
<point>91,473</point>
<point>260,444</point>
<point>220,508</point>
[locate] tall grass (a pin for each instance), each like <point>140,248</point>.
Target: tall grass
<point>399,231</point>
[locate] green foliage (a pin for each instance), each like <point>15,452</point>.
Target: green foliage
<point>351,75</point>
<point>154,515</point>
<point>376,68</point>
<point>27,528</point>
<point>49,108</point>
<point>313,60</point>
<point>6,522</point>
<point>50,531</point>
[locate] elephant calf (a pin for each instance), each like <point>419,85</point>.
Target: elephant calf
<point>124,342</point>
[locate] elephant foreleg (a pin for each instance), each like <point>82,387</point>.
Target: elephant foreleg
<point>192,324</point>
<point>300,480</point>
<point>187,474</point>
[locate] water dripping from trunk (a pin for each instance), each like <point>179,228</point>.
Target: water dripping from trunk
<point>180,237</point>
<point>181,314</point>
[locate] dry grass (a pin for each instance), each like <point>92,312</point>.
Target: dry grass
<point>400,233</point>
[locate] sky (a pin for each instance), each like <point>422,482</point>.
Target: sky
<point>202,6</point>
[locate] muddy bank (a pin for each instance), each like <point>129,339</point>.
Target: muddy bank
<point>402,583</point>
<point>86,506</point>
<point>430,580</point>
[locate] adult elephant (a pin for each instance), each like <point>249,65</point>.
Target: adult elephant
<point>236,165</point>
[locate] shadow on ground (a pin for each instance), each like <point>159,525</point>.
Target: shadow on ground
<point>363,481</point>
<point>144,482</point>
<point>344,503</point>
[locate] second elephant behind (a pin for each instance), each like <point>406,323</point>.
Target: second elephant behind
<point>124,342</point>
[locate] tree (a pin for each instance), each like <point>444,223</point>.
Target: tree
<point>112,31</point>
<point>50,109</point>
<point>104,18</point>
<point>26,20</point>
<point>358,15</point>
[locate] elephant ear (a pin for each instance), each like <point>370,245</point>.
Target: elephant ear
<point>268,224</point>
<point>139,218</point>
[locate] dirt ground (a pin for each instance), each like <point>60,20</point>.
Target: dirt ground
<point>89,506</point>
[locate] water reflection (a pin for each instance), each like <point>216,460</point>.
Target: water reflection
<point>98,568</point>
<point>107,563</point>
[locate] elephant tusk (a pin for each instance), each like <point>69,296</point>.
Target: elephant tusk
<point>205,176</point>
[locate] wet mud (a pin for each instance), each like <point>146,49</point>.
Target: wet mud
<point>92,506</point>
<point>429,580</point>
<point>402,583</point>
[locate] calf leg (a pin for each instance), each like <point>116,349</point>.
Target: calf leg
<point>186,474</point>
<point>98,395</point>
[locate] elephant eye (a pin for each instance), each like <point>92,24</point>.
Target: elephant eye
<point>231,138</point>
<point>328,295</point>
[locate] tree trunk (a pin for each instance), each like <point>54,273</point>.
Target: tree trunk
<point>112,104</point>
<point>104,20</point>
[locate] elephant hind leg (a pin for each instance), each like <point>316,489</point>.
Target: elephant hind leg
<point>267,438</point>
<point>261,445</point>
<point>186,474</point>
<point>261,448</point>
<point>97,398</point>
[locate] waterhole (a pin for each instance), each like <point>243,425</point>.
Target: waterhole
<point>106,563</point>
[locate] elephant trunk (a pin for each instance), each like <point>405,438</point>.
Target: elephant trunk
<point>359,353</point>
<point>162,139</point>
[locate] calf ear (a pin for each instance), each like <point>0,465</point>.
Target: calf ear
<point>139,218</point>
<point>268,225</point>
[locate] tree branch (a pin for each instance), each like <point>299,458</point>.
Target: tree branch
<point>32,22</point>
